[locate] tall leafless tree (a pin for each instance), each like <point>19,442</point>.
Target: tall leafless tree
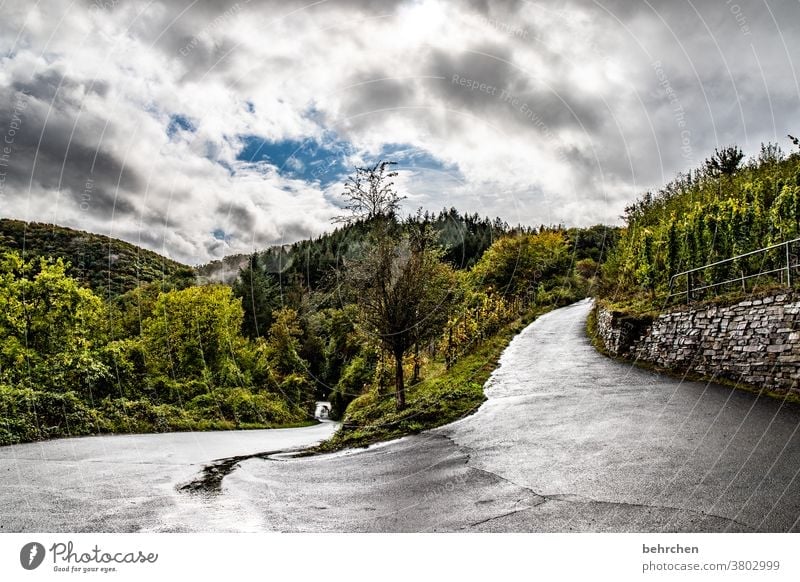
<point>402,286</point>
<point>369,193</point>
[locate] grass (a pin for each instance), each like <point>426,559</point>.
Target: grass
<point>593,333</point>
<point>637,305</point>
<point>643,305</point>
<point>440,398</point>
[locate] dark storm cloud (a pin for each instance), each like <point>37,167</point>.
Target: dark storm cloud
<point>52,85</point>
<point>487,64</point>
<point>243,219</point>
<point>54,149</point>
<point>486,79</point>
<point>692,82</point>
<point>203,34</point>
<point>492,7</point>
<point>374,92</point>
<point>287,232</point>
<point>199,55</point>
<point>214,247</point>
<point>293,230</point>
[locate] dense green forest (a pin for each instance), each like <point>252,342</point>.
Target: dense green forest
<point>310,268</point>
<point>463,238</point>
<point>398,321</point>
<point>157,358</point>
<point>106,265</point>
<point>726,207</point>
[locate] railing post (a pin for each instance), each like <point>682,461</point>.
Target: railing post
<point>688,288</point>
<point>772,269</point>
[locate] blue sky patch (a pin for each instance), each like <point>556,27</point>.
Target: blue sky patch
<point>179,123</point>
<point>326,161</point>
<point>310,160</point>
<point>408,157</point>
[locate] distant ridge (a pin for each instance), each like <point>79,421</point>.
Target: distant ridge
<point>107,265</point>
<point>224,270</point>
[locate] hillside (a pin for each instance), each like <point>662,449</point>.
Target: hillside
<point>463,236</point>
<point>108,266</point>
<point>295,326</point>
<point>224,270</point>
<point>726,207</point>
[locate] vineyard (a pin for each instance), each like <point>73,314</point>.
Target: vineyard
<point>722,209</point>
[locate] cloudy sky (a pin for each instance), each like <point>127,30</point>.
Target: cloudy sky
<point>200,128</point>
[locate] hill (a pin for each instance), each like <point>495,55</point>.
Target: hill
<point>224,270</point>
<point>464,238</point>
<point>106,265</point>
<point>724,208</point>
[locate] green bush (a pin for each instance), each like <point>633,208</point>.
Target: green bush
<point>31,415</point>
<point>135,416</point>
<point>241,406</point>
<point>358,373</point>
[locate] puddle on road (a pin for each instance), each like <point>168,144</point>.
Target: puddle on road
<point>210,480</point>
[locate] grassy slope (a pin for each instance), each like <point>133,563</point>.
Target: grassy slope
<point>442,397</point>
<point>724,217</point>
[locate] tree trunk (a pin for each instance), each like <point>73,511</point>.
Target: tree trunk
<point>415,378</point>
<point>400,389</point>
<point>448,355</point>
<point>381,385</point>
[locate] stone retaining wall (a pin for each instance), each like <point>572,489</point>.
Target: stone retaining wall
<point>756,342</point>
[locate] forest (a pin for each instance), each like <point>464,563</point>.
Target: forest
<point>726,207</point>
<point>396,320</point>
<point>106,265</point>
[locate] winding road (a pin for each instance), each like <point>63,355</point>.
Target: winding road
<point>568,440</point>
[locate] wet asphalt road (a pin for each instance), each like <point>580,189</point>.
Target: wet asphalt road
<point>568,441</point>
<point>130,483</point>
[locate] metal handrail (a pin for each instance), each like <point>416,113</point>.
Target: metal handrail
<point>688,273</point>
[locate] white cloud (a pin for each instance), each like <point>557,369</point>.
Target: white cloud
<point>573,119</point>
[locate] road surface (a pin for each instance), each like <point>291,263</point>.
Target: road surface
<point>130,483</point>
<point>568,441</point>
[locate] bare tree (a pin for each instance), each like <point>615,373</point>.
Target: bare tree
<point>404,292</point>
<point>402,286</point>
<point>369,193</point>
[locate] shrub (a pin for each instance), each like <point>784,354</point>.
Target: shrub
<point>240,406</point>
<point>31,415</point>
<point>123,415</point>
